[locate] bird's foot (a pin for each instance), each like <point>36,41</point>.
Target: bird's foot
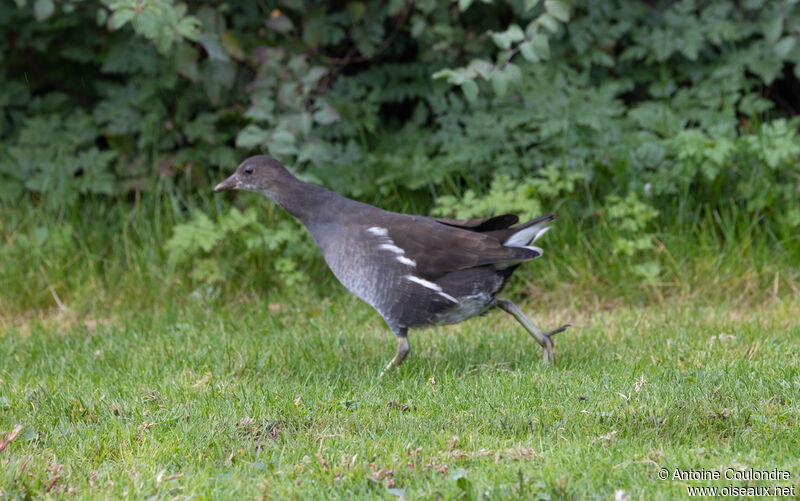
<point>541,337</point>
<point>548,347</point>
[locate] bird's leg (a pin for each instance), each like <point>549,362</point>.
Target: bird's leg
<point>402,349</point>
<point>543,338</point>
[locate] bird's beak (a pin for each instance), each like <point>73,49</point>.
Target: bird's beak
<point>228,184</point>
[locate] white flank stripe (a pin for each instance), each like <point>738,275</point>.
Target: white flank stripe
<point>377,230</point>
<point>392,247</point>
<point>432,286</point>
<point>405,260</point>
<point>424,283</point>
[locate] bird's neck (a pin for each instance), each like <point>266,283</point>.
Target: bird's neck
<point>302,200</point>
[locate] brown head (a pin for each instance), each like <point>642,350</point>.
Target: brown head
<point>269,177</point>
<point>259,173</point>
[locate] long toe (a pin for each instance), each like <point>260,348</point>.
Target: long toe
<point>389,367</point>
<point>556,331</point>
<point>549,354</point>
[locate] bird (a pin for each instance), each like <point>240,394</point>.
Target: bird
<point>416,271</point>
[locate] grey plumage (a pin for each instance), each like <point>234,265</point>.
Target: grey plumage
<point>415,271</point>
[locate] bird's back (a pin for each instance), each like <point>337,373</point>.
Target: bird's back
<point>417,270</point>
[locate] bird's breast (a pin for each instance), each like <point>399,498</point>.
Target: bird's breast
<point>368,267</point>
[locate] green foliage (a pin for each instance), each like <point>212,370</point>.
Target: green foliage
<point>56,158</point>
<point>504,196</point>
<point>511,196</point>
<point>40,242</point>
<point>533,44</point>
<point>283,108</point>
<point>629,220</point>
<point>158,20</point>
<point>215,250</point>
<point>514,106</point>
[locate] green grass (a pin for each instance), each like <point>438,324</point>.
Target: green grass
<point>262,397</point>
<point>129,379</point>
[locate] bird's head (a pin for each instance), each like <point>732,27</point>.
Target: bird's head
<point>260,173</point>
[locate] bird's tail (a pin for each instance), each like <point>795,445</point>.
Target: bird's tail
<point>527,233</point>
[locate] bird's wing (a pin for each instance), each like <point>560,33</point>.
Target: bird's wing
<point>438,249</point>
<point>481,224</point>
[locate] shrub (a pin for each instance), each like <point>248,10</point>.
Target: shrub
<point>460,106</point>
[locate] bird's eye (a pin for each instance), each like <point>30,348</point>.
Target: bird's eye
<point>248,170</point>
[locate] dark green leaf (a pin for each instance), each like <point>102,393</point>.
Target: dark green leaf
<point>186,62</point>
<point>445,73</point>
<point>314,26</point>
<point>395,6</point>
<point>454,76</point>
<point>530,4</point>
<point>230,42</point>
<point>773,28</point>
<point>470,89</point>
<point>479,67</point>
<point>325,114</point>
<point>541,46</point>
<point>101,17</point>
<point>223,72</point>
<point>784,46</point>
<point>526,49</point>
<point>513,73</point>
<point>213,47</point>
<point>558,9</point>
<point>42,9</point>
<point>506,38</point>
<point>499,82</point>
<point>251,136</point>
<point>357,10</point>
<point>261,109</point>
<point>548,22</point>
<point>189,27</point>
<point>282,143</point>
<point>120,17</point>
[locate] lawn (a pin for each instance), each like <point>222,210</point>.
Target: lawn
<point>263,397</point>
<point>161,341</point>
